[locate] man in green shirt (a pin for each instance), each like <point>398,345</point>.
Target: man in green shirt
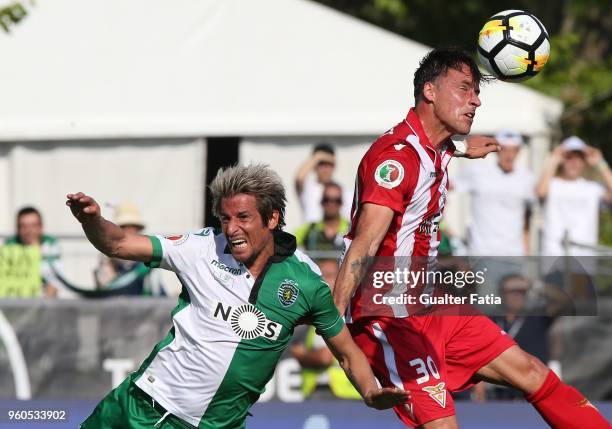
<point>30,233</point>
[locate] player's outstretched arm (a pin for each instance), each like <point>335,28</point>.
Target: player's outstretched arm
<point>355,365</point>
<point>372,227</point>
<point>107,237</point>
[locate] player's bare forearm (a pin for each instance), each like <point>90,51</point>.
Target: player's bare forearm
<point>104,235</point>
<point>373,224</point>
<point>357,369</point>
<point>354,267</point>
<point>107,237</point>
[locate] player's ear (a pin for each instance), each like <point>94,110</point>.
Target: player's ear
<point>273,221</point>
<point>429,92</point>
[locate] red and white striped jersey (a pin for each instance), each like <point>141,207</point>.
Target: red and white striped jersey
<point>403,171</point>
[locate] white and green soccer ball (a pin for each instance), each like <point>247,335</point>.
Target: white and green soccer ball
<point>513,45</point>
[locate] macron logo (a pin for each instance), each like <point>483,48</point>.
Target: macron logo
<point>223,267</point>
<point>399,146</point>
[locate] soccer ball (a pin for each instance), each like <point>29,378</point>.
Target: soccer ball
<point>513,45</point>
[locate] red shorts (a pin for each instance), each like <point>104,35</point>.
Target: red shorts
<point>430,356</point>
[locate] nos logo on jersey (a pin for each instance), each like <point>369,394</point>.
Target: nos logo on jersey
<point>247,321</point>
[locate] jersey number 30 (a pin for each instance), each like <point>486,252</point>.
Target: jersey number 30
<point>424,370</point>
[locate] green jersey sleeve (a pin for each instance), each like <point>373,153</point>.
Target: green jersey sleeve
<point>324,314</point>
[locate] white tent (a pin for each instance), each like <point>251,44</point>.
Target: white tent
<point>86,81</point>
<point>151,68</point>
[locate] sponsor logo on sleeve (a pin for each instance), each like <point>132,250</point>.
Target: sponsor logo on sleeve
<point>288,292</point>
<point>204,232</point>
<point>389,174</point>
<point>177,239</point>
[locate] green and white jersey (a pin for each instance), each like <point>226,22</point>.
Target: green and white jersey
<point>229,330</point>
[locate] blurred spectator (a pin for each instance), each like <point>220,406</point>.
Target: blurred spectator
<point>501,197</point>
<point>450,244</point>
<point>137,278</point>
<point>309,187</point>
<point>327,234</point>
<point>30,232</point>
<point>322,377</point>
<point>527,324</point>
<point>571,202</point>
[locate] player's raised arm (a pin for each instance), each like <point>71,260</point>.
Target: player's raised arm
<point>372,226</point>
<point>107,237</point>
<point>355,365</point>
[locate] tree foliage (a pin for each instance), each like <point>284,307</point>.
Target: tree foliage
<point>580,66</point>
<point>11,14</point>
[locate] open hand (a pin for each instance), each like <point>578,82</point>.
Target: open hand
<point>83,207</point>
<point>387,397</point>
<point>593,156</point>
<point>481,146</point>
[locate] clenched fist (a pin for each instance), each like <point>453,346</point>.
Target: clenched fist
<point>83,207</point>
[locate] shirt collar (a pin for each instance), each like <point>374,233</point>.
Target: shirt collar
<point>413,121</point>
<point>284,245</point>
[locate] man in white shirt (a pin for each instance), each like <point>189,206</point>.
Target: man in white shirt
<point>501,196</point>
<point>309,187</point>
<point>571,202</point>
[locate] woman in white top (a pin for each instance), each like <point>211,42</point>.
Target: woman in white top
<point>571,202</point>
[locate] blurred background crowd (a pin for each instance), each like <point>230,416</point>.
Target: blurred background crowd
<point>145,136</point>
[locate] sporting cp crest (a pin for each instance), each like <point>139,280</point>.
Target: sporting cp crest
<point>288,292</point>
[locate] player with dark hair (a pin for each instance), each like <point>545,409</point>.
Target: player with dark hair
<point>400,193</point>
<point>244,291</point>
